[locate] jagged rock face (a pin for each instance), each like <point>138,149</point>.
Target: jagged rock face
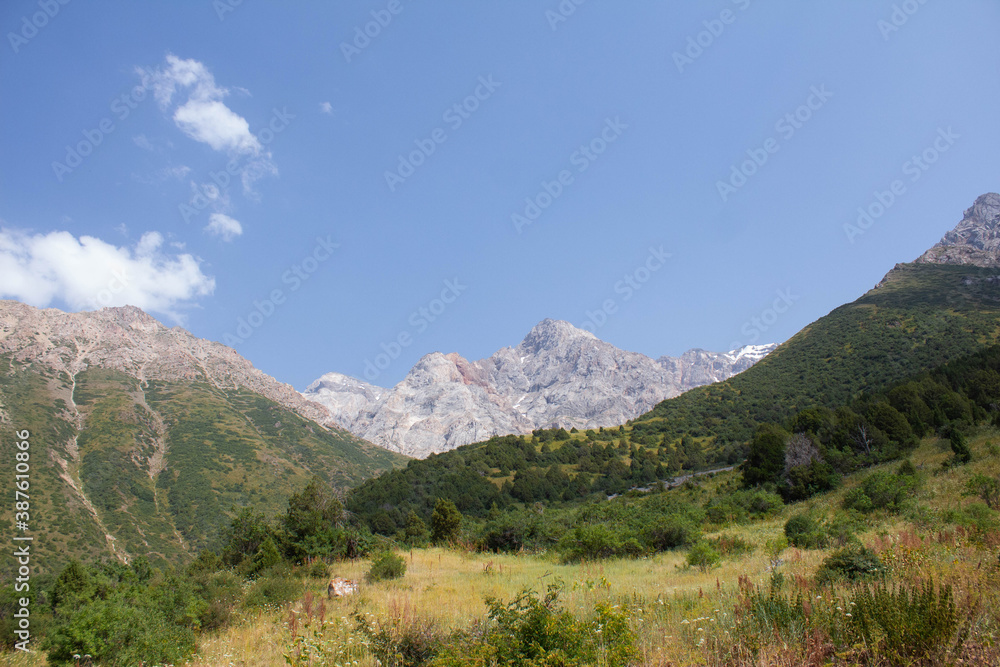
<point>127,339</point>
<point>975,240</point>
<point>557,376</point>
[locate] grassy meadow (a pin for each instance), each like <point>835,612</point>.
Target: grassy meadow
<point>680,615</point>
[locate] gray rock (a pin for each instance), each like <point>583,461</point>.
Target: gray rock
<point>975,240</point>
<point>558,376</point>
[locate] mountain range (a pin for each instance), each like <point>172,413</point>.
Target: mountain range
<point>558,376</point>
<point>146,439</point>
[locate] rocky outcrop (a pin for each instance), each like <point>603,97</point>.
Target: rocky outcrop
<point>129,340</point>
<point>558,375</point>
<point>975,240</point>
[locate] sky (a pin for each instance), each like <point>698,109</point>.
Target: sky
<point>349,186</point>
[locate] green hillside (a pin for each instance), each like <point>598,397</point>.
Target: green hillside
<point>159,466</point>
<point>921,317</point>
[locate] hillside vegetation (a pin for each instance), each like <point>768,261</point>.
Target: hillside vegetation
<point>155,469</point>
<point>864,534</point>
<point>922,316</point>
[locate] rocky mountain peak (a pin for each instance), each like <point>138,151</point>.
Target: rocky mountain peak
<point>552,334</point>
<point>128,340</point>
<point>975,240</point>
<point>558,375</point>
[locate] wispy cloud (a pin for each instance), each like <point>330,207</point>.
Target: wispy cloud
<point>202,115</point>
<point>326,107</point>
<point>142,142</point>
<point>223,226</point>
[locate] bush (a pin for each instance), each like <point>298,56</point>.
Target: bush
<point>593,542</point>
<point>804,532</point>
<point>910,622</point>
<point>318,570</point>
<point>537,632</point>
<point>958,445</point>
<point>274,587</point>
<point>851,563</point>
<point>387,566</point>
<point>703,556</point>
<point>223,591</point>
<point>399,643</point>
<point>880,490</point>
<point>742,506</point>
<point>728,545</point>
<point>670,533</point>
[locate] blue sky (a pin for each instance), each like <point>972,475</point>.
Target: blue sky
<point>669,177</point>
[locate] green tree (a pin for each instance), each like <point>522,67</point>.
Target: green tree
<point>958,445</point>
<point>74,583</point>
<point>244,535</point>
<point>445,521</point>
<point>312,516</point>
<point>416,529</point>
<point>766,458</point>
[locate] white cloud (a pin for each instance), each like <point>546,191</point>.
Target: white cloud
<point>223,226</point>
<point>202,116</point>
<point>142,142</point>
<point>326,107</point>
<point>88,273</point>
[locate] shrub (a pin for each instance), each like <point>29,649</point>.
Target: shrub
<point>387,566</point>
<point>274,587</point>
<point>593,542</point>
<point>804,532</point>
<point>533,631</point>
<point>880,490</point>
<point>806,481</point>
<point>740,506</point>
<point>851,563</point>
<point>223,591</point>
<point>958,445</point>
<point>401,643</point>
<point>977,517</point>
<point>318,570</point>
<point>670,533</point>
<point>703,556</point>
<point>987,488</point>
<point>910,622</point>
<point>728,545</point>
